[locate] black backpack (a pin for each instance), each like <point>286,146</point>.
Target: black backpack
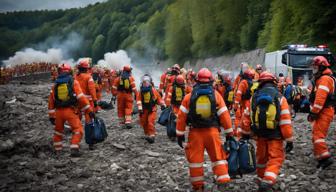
<point>64,93</point>
<point>174,96</point>
<point>196,120</point>
<point>125,83</point>
<point>266,112</point>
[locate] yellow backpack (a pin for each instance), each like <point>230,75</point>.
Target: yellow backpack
<point>146,97</point>
<point>203,106</point>
<point>63,92</point>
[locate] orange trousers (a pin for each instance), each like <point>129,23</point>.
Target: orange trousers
<point>67,114</point>
<point>147,121</point>
<point>320,132</point>
<point>237,121</point>
<point>86,115</point>
<point>125,107</point>
<point>270,156</point>
<point>209,140</point>
<point>99,97</point>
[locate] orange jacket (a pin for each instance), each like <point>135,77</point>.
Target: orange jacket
<point>169,81</point>
<point>323,87</point>
<point>87,85</point>
<point>83,102</point>
<point>222,112</point>
<point>285,122</point>
<point>236,83</point>
<point>162,82</point>
<point>117,82</point>
<point>220,88</point>
<point>188,89</point>
<point>156,98</point>
<point>242,90</point>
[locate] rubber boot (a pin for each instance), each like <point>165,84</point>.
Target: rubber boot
<point>324,163</point>
<point>128,126</point>
<point>75,153</point>
<point>91,147</point>
<point>265,187</point>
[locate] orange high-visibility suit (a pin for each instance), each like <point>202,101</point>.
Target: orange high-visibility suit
<point>89,89</point>
<point>70,115</point>
<point>238,113</point>
<point>124,99</point>
<point>99,88</point>
<point>200,139</point>
<point>149,111</point>
<point>324,86</point>
<point>162,83</point>
<point>270,153</point>
<point>240,103</point>
<point>168,83</point>
<point>106,83</point>
<point>170,99</point>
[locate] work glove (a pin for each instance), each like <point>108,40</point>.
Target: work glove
<point>235,107</point>
<point>95,103</point>
<point>289,146</point>
<point>92,115</point>
<point>180,140</point>
<point>52,120</point>
<point>246,136</point>
<point>163,107</point>
<point>312,117</point>
<point>114,98</point>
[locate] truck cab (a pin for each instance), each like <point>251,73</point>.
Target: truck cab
<point>294,61</point>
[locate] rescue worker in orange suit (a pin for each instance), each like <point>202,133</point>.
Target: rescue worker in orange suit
<point>98,85</point>
<point>176,93</point>
<point>170,78</point>
<point>205,111</point>
<point>87,85</point>
<point>321,110</point>
<point>258,71</point>
<point>191,81</point>
<point>163,77</point>
<point>106,82</point>
<point>224,86</point>
<point>238,114</point>
<point>269,135</point>
<point>242,96</point>
<point>147,99</point>
<point>123,87</point>
<point>65,98</point>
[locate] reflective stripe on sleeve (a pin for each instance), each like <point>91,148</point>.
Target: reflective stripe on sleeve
<point>324,88</point>
<point>85,108</point>
<point>222,110</point>
<point>285,122</point>
<point>183,109</point>
<point>80,95</point>
<point>239,92</point>
<point>318,106</point>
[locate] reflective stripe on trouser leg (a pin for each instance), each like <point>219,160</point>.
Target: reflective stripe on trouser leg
<point>261,156</point>
<point>276,156</point>
<point>320,132</point>
<point>151,123</point>
<point>121,120</point>
<point>128,119</point>
<point>76,127</point>
<point>58,130</point>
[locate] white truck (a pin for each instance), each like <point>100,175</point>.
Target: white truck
<point>294,60</point>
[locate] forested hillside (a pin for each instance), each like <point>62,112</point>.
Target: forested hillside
<point>176,29</point>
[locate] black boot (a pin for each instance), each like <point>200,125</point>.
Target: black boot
<point>128,126</point>
<point>324,163</point>
<point>75,153</point>
<point>91,147</point>
<point>265,187</point>
<point>150,139</point>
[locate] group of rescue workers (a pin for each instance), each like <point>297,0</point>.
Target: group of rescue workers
<point>8,73</point>
<point>202,105</point>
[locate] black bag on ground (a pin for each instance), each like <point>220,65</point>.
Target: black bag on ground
<point>164,116</point>
<point>232,147</point>
<point>247,159</point>
<point>135,108</point>
<point>95,132</point>
<point>105,105</point>
<point>171,127</point>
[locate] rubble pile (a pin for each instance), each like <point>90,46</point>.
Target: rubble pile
<point>125,161</point>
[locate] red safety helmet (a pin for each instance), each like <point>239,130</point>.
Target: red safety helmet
<point>127,68</point>
<point>84,63</point>
<point>320,61</point>
<point>179,80</point>
<point>204,75</point>
<point>267,77</point>
<point>64,68</point>
<point>249,73</point>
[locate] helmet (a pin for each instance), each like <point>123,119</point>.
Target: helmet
<point>204,75</point>
<point>84,63</point>
<point>320,61</point>
<point>64,68</point>
<point>176,68</point>
<point>244,66</point>
<point>267,77</point>
<point>127,68</point>
<point>179,80</point>
<point>258,67</point>
<point>146,80</point>
<point>191,75</point>
<point>249,73</point>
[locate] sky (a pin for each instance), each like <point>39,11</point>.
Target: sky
<point>19,5</point>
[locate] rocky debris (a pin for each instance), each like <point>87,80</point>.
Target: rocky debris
<point>125,161</point>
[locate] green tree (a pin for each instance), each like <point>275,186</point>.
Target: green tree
<point>98,48</point>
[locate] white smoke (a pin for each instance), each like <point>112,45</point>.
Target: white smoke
<point>30,55</point>
<point>117,60</point>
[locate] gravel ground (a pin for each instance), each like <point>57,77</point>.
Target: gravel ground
<point>125,161</point>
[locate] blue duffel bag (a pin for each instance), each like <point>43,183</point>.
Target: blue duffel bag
<point>247,159</point>
<point>232,147</point>
<point>164,116</point>
<point>95,132</point>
